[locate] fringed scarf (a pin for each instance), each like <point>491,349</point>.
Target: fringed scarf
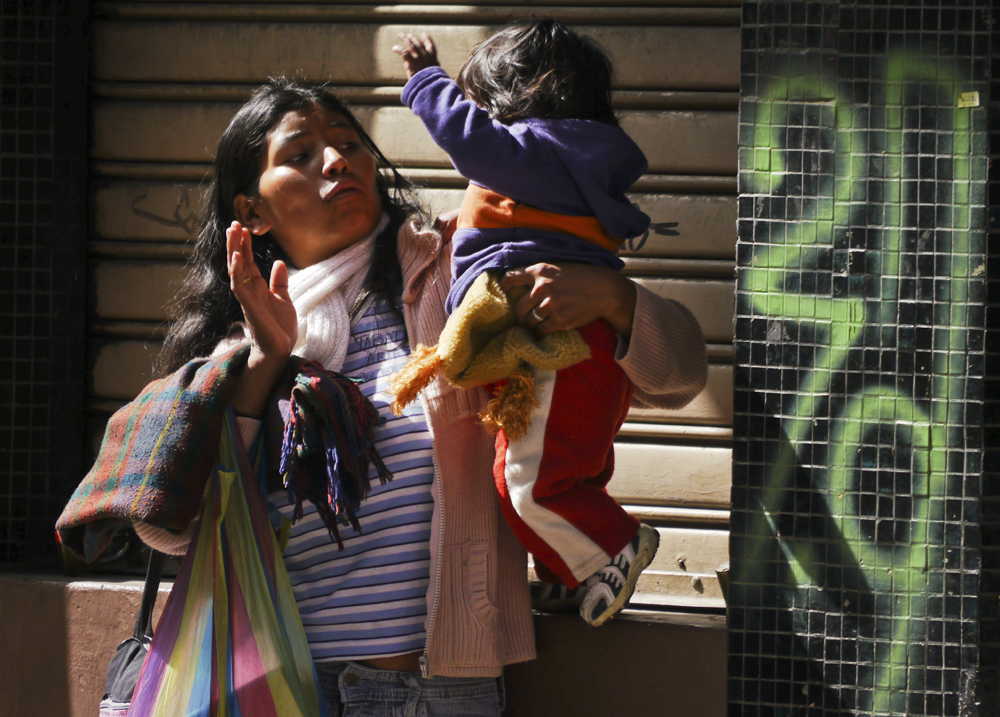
<point>326,442</point>
<point>326,447</point>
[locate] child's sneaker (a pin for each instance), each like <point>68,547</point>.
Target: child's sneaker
<point>549,597</point>
<point>611,587</point>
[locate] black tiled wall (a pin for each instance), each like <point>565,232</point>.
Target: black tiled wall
<point>862,361</point>
<point>43,145</point>
<point>989,604</point>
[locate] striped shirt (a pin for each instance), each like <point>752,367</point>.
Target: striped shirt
<point>371,599</point>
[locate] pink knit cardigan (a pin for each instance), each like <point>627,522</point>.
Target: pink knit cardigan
<point>479,614</point>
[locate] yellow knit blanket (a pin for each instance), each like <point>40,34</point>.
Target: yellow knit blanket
<point>482,343</point>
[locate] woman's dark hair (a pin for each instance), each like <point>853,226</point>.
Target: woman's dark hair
<point>205,307</point>
<point>539,69</point>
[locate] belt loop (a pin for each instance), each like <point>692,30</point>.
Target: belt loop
<point>413,697</point>
<point>502,692</point>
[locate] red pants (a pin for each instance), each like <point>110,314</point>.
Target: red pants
<point>552,482</point>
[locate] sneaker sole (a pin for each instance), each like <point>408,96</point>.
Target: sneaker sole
<point>649,543</point>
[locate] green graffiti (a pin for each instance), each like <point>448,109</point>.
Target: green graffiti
<point>874,164</point>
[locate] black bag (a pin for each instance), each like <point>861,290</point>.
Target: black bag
<point>124,668</point>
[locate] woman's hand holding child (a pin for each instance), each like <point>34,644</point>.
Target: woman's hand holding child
<point>568,296</point>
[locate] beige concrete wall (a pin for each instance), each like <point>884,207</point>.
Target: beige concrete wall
<point>644,665</point>
<point>57,635</point>
<point>56,638</point>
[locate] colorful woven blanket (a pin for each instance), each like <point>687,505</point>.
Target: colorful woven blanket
<point>160,449</point>
<point>141,470</point>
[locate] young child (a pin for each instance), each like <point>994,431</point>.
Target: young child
<point>529,123</point>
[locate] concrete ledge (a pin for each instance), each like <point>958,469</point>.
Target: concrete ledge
<point>57,635</point>
<point>640,663</point>
<point>56,638</point>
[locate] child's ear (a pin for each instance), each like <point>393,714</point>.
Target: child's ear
<point>246,214</point>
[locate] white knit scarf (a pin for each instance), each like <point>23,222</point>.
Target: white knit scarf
<point>323,295</point>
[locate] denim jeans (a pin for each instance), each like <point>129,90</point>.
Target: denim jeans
<point>353,690</point>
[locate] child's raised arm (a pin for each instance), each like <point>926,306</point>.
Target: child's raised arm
<point>417,53</point>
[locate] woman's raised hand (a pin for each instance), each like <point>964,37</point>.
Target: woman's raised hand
<point>417,53</point>
<point>569,296</point>
<point>267,308</point>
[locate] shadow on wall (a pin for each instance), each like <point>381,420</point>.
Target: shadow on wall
<point>56,639</point>
<point>34,649</point>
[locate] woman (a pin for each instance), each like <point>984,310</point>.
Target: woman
<point>310,245</point>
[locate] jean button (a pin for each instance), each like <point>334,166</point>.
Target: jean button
<point>350,679</point>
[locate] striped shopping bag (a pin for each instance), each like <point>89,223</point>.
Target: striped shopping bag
<point>230,642</point>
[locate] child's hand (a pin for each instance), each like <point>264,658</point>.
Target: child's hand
<point>417,54</point>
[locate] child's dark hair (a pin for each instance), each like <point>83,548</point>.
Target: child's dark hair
<point>539,69</point>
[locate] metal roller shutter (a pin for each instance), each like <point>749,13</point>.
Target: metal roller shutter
<point>167,76</point>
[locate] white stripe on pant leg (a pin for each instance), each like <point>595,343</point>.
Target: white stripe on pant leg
<point>582,555</point>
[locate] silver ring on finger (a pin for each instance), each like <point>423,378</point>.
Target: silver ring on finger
<point>536,317</point>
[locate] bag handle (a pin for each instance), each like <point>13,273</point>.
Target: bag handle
<point>144,621</point>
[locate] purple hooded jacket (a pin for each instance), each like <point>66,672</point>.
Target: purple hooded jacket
<point>575,167</point>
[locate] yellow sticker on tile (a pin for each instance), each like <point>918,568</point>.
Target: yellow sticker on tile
<point>968,99</point>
